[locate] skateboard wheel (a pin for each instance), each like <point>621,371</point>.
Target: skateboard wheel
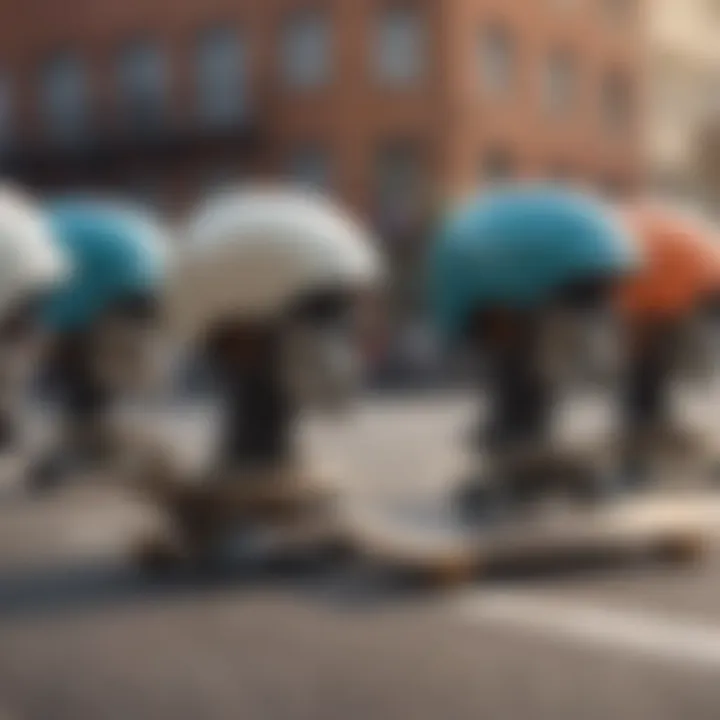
<point>479,503</point>
<point>47,475</point>
<point>157,556</point>
<point>339,549</point>
<point>681,549</point>
<point>443,575</point>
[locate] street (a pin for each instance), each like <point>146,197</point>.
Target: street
<point>84,636</point>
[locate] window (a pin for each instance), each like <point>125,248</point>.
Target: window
<point>498,166</point>
<point>399,185</point>
<point>309,165</point>
<point>497,60</point>
<point>63,97</point>
<point>142,80</point>
<point>617,103</point>
<point>618,12</point>
<point>5,109</point>
<point>560,82</point>
<point>400,46</point>
<point>306,50</point>
<point>221,76</point>
<point>566,5</point>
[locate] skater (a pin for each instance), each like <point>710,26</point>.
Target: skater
<point>527,280</point>
<point>31,266</point>
<point>268,290</point>
<point>104,322</point>
<point>670,309</point>
<point>527,277</point>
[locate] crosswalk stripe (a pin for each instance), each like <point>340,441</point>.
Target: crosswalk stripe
<point>633,632</point>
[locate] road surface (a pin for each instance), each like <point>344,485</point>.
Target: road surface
<point>82,636</point>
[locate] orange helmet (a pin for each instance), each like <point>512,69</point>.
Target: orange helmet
<point>681,268</point>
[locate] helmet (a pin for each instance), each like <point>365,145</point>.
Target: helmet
<point>117,252</point>
<point>682,265</point>
<point>30,260</point>
<point>516,247</point>
<point>251,252</point>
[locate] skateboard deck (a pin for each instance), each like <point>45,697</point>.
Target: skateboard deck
<point>259,518</point>
<point>252,520</point>
<point>435,546</point>
<point>247,546</point>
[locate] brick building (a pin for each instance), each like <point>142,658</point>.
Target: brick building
<point>387,102</point>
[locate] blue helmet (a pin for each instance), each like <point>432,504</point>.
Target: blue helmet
<point>116,252</point>
<point>516,247</point>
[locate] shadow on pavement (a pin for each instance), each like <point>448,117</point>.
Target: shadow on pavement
<point>74,588</point>
<point>91,586</point>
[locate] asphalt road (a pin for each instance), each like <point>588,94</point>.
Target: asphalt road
<point>83,636</point>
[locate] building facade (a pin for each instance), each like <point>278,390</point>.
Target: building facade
<point>395,105</point>
<point>683,81</point>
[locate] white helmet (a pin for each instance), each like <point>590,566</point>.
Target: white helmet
<point>30,259</point>
<point>251,252</point>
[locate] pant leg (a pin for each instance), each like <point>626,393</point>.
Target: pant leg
<point>646,401</point>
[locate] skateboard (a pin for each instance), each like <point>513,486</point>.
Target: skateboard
<point>266,518</point>
<point>435,546</point>
<point>258,518</point>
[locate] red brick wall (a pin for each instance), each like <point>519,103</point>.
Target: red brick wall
<point>520,124</point>
<point>447,114</point>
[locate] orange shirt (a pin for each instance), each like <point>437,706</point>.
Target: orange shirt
<point>681,268</point>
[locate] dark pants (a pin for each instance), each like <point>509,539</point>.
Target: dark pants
<point>257,421</point>
<point>646,393</point>
<point>84,400</point>
<point>646,399</point>
<point>8,430</point>
<point>520,396</point>
<point>258,417</point>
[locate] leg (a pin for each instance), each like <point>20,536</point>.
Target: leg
<point>519,417</point>
<point>8,430</point>
<point>646,408</point>
<point>85,439</point>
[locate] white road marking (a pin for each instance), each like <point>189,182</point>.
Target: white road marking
<point>635,632</point>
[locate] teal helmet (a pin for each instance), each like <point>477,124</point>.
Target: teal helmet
<point>515,248</point>
<point>117,252</point>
